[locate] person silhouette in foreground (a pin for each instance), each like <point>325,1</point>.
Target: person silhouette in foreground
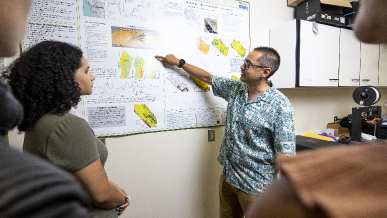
<point>345,181</point>
<point>29,186</point>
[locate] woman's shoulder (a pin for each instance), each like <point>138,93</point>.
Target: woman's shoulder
<point>54,123</point>
<point>53,119</point>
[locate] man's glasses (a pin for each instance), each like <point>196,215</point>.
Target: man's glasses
<point>248,64</point>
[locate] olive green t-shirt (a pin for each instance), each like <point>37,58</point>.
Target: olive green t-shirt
<point>67,141</point>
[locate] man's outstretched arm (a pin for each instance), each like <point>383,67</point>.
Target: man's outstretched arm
<point>196,72</point>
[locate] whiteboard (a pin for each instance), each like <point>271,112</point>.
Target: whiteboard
<point>133,92</point>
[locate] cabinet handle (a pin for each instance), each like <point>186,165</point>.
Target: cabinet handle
<point>355,80</point>
<point>366,80</point>
<point>333,80</point>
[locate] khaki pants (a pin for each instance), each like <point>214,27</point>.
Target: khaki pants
<point>233,201</point>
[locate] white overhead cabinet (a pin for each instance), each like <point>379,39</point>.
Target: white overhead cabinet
<point>349,73</point>
<point>309,58</point>
<point>319,55</point>
<point>369,65</point>
<point>284,40</point>
<point>383,65</point>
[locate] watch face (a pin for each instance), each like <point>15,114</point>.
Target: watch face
<point>182,62</point>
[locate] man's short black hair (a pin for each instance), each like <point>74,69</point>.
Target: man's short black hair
<point>269,58</point>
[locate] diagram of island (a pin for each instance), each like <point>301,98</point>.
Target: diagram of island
<point>202,46</point>
<point>125,65</point>
<point>202,85</point>
<point>234,77</point>
<point>237,46</point>
<point>139,64</point>
<point>135,38</point>
<point>145,114</point>
<point>220,46</point>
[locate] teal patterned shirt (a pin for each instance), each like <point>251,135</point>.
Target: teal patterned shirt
<point>255,132</point>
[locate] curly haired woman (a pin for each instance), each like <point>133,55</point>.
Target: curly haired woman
<point>48,79</point>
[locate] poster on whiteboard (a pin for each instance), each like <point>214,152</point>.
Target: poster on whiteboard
<point>133,92</point>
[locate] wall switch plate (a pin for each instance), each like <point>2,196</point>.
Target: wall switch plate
<point>211,135</point>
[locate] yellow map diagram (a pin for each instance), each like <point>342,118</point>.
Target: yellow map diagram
<point>135,38</point>
<point>236,45</point>
<point>125,64</point>
<point>145,114</point>
<point>139,64</point>
<point>220,46</point>
<point>234,77</point>
<point>202,85</point>
<point>202,46</point>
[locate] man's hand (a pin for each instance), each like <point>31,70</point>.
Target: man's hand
<point>190,69</point>
<point>169,59</point>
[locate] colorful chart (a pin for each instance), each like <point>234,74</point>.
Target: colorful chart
<point>234,77</point>
<point>135,38</point>
<point>145,114</point>
<point>94,8</point>
<point>125,64</point>
<point>139,64</point>
<point>154,73</point>
<point>236,45</point>
<point>202,85</point>
<point>202,46</point>
<point>220,46</point>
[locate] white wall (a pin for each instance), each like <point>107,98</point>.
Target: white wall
<point>175,174</point>
<point>315,107</point>
<point>264,15</point>
<point>166,174</point>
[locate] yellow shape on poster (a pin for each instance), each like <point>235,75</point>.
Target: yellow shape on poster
<point>220,46</point>
<point>139,63</point>
<point>234,77</point>
<point>145,114</point>
<point>202,46</point>
<point>125,64</point>
<point>202,85</point>
<point>236,45</point>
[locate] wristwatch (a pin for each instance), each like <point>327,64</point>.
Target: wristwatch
<point>181,63</point>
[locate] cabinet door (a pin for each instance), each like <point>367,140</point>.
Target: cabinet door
<point>383,65</point>
<point>319,55</point>
<point>349,73</point>
<point>369,68</point>
<point>283,39</point>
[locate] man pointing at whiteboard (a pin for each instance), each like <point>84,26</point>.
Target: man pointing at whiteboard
<point>259,125</point>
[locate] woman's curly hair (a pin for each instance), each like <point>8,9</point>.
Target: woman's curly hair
<point>43,80</point>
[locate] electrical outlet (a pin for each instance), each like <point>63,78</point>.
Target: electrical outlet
<point>211,135</point>
<point>336,119</point>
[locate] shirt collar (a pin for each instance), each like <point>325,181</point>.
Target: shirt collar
<point>264,96</point>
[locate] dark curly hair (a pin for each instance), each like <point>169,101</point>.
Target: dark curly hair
<point>43,80</point>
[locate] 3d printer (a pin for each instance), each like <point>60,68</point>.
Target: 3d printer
<point>366,118</point>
